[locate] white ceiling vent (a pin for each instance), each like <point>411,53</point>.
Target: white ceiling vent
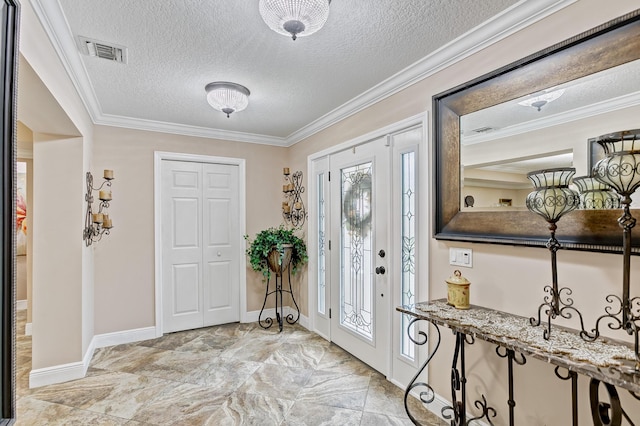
<point>483,129</point>
<point>100,49</point>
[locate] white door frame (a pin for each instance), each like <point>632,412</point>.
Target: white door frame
<point>157,214</point>
<point>419,119</point>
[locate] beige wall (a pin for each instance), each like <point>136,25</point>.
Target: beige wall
<point>505,278</point>
<point>62,314</point>
<point>57,251</point>
<point>124,279</point>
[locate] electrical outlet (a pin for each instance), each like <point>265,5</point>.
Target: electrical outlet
<point>461,257</point>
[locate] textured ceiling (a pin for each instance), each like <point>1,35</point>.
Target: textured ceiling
<point>176,47</point>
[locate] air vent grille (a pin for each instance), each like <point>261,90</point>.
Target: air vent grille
<point>483,129</point>
<point>99,49</point>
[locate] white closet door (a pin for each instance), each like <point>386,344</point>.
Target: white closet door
<point>201,245</point>
<point>182,245</point>
<point>221,251</point>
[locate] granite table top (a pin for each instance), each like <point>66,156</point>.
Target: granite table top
<point>608,360</point>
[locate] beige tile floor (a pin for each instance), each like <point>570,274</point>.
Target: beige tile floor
<point>235,374</point>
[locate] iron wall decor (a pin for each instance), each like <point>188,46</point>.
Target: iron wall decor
<point>97,224</point>
<point>293,209</point>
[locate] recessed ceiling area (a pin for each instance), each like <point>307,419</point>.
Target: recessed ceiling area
<point>174,48</point>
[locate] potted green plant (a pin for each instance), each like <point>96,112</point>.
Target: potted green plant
<point>278,244</point>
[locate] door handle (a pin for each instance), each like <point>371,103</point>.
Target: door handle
<point>380,270</point>
<point>381,253</point>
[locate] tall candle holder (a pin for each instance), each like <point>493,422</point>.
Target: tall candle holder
<point>595,195</point>
<point>551,199</point>
<point>293,209</point>
<point>620,169</point>
<point>97,224</point>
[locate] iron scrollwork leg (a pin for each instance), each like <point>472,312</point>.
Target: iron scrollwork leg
<point>603,413</point>
<point>457,412</point>
<point>279,311</point>
<point>573,376</point>
<point>510,354</point>
<point>267,322</point>
<point>427,395</point>
<point>289,318</point>
<point>279,295</point>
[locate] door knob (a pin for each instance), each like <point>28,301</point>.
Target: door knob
<point>380,270</point>
<point>381,253</point>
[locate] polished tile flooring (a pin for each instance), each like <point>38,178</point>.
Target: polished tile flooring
<point>235,374</point>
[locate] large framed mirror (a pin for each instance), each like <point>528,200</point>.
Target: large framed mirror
<point>539,112</point>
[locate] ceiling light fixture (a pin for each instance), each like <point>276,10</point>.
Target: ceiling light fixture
<point>227,97</point>
<point>538,101</point>
<point>294,17</point>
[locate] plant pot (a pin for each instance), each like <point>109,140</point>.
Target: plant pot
<point>273,259</point>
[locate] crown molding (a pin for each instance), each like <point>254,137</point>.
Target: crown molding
<point>517,17</point>
<point>182,129</point>
<point>57,29</point>
<point>514,19</point>
<point>610,105</point>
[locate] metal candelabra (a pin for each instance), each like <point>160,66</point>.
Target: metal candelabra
<point>551,199</point>
<point>293,209</point>
<point>620,169</point>
<point>97,224</point>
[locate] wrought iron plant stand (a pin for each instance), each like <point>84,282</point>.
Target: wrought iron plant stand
<point>278,274</point>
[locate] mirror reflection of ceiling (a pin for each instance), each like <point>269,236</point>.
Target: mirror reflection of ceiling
<point>612,89</point>
<point>525,165</point>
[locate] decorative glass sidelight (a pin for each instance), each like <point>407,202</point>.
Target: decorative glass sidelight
<point>322,260</point>
<point>356,286</point>
<point>408,235</point>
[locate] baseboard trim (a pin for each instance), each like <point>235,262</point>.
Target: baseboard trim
<point>77,370</point>
<point>123,337</point>
<point>56,374</point>
<point>21,305</point>
<point>28,328</point>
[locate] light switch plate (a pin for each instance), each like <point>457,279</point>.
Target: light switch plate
<point>461,257</point>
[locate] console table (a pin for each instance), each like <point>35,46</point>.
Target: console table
<point>605,361</point>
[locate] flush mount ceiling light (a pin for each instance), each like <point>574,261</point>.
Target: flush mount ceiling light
<point>227,97</point>
<point>294,17</point>
<point>538,101</point>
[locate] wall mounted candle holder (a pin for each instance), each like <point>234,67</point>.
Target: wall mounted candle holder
<point>293,209</point>
<point>97,224</point>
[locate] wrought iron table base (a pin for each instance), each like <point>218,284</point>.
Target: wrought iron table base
<point>605,411</point>
<point>280,317</point>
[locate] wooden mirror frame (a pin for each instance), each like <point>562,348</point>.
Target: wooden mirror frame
<point>609,45</point>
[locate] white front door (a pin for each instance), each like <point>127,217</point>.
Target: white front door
<point>360,292</point>
<point>201,237</point>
